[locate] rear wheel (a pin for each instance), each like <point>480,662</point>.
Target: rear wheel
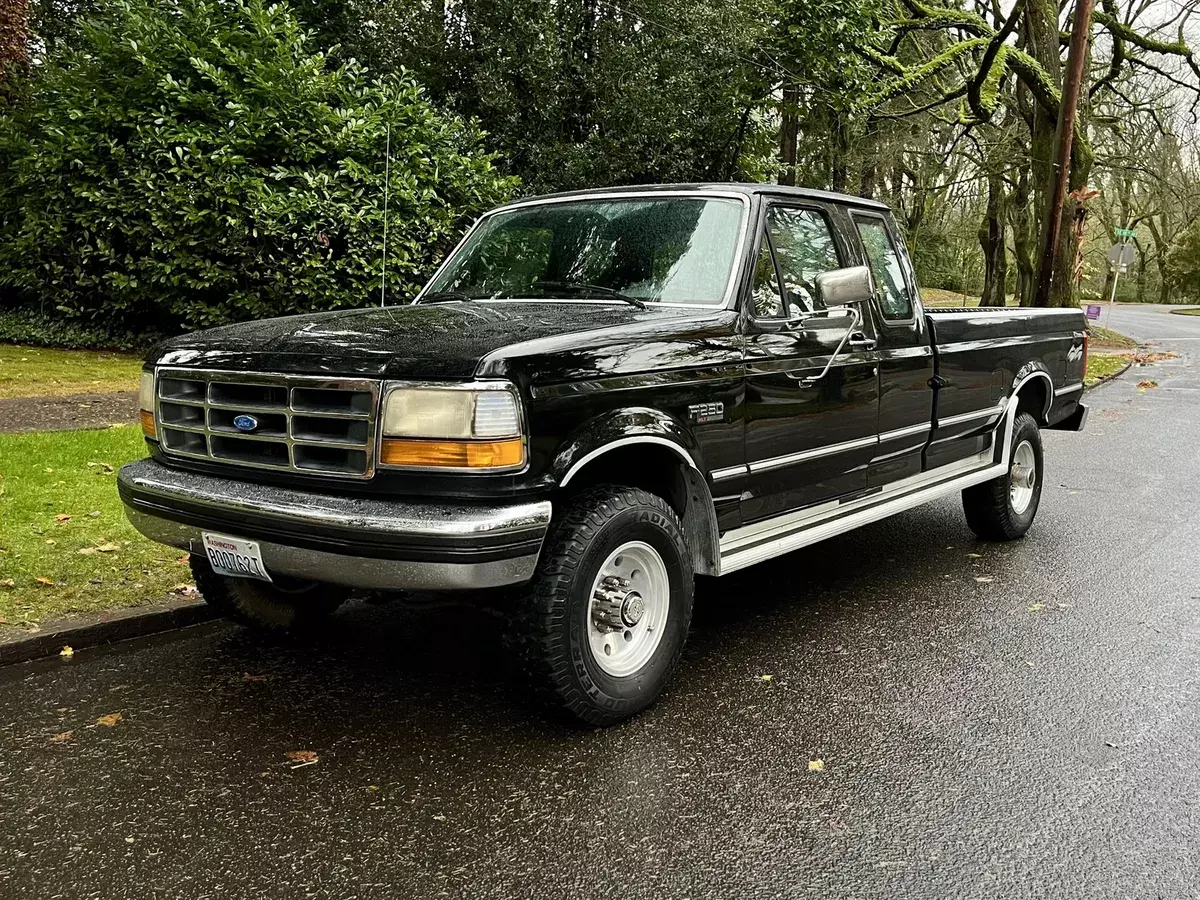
<point>603,624</point>
<point>1003,509</point>
<point>287,604</point>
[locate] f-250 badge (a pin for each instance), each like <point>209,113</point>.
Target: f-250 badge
<point>703,413</point>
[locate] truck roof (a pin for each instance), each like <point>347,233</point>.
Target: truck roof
<point>724,187</point>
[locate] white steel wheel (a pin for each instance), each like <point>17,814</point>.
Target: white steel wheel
<point>1022,477</point>
<point>628,609</point>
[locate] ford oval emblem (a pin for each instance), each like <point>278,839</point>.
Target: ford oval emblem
<point>245,422</point>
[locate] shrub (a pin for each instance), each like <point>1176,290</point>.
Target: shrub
<point>29,326</point>
<point>196,162</point>
<point>1183,261</point>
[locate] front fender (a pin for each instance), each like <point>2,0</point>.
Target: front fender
<point>621,428</point>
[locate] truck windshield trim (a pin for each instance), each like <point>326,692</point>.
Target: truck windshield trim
<point>727,298</point>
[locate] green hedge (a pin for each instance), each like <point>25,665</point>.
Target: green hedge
<point>197,162</point>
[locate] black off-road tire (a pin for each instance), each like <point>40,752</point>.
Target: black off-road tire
<point>989,508</point>
<point>551,625</point>
<point>288,605</point>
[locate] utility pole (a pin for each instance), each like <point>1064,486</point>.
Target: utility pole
<point>1065,137</point>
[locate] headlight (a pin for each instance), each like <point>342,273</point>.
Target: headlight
<point>146,404</point>
<point>476,426</point>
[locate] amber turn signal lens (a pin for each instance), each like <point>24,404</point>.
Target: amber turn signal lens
<point>453,454</point>
<point>148,429</point>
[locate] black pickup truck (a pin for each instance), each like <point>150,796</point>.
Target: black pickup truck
<point>597,397</point>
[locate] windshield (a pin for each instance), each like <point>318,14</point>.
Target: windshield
<point>647,249</point>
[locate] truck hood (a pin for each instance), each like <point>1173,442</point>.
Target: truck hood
<point>443,340</point>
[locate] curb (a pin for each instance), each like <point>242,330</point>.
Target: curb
<point>1107,378</point>
<point>107,628</point>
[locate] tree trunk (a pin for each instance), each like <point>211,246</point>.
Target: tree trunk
<point>14,41</point>
<point>1142,273</point>
<point>991,239</point>
<point>789,132</point>
<point>839,169</point>
<point>1023,241</point>
<point>870,170</point>
<point>1042,38</point>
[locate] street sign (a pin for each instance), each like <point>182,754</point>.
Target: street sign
<point>1121,254</point>
<point>1093,311</point>
<point>1125,232</point>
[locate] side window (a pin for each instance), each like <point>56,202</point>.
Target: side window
<point>886,268</point>
<point>804,247</point>
<point>765,296</point>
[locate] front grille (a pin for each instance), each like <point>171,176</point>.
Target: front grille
<point>300,423</point>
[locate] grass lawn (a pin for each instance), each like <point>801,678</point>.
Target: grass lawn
<point>1101,365</point>
<point>938,297</point>
<point>1111,340</point>
<point>1193,311</point>
<point>65,546</point>
<point>37,372</point>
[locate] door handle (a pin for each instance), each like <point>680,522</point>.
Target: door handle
<point>860,341</point>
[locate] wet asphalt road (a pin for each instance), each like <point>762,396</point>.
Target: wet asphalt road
<point>1015,720</point>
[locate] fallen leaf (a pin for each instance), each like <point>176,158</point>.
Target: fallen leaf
<point>304,757</point>
<point>1037,607</point>
<point>95,514</point>
<point>372,787</point>
<point>129,840</point>
<point>765,677</point>
<point>1147,384</point>
<point>62,517</point>
<point>975,556</point>
<point>246,676</point>
<point>86,551</point>
<point>110,720</point>
<point>816,765</point>
<point>62,737</point>
<point>108,548</point>
<point>183,589</point>
<point>8,582</point>
<point>41,580</point>
<point>183,560</point>
<point>67,651</point>
<point>439,818</point>
<point>984,579</point>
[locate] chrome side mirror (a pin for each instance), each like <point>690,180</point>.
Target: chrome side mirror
<point>845,287</point>
<point>850,287</point>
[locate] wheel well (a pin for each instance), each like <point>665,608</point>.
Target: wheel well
<point>659,470</point>
<point>1033,398</point>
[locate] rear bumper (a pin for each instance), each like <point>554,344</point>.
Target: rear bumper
<point>358,541</point>
<point>1074,422</point>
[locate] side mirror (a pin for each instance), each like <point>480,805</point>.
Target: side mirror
<point>845,287</point>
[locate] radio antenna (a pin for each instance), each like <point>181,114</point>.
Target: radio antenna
<point>387,183</point>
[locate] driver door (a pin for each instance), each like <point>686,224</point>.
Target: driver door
<point>810,438</point>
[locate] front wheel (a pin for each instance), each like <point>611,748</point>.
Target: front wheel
<point>603,624</point>
<point>287,604</point>
<point>1003,509</point>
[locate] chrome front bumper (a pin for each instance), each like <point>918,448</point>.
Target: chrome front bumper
<point>360,541</point>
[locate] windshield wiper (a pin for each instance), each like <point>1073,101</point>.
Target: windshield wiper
<point>584,288</point>
<point>446,297</point>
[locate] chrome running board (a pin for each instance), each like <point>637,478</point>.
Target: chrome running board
<point>761,541</point>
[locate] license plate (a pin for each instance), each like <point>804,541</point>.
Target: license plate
<point>233,556</point>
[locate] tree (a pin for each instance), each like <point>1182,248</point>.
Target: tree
<point>981,63</point>
<point>14,41</point>
<point>586,93</point>
<point>193,162</point>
